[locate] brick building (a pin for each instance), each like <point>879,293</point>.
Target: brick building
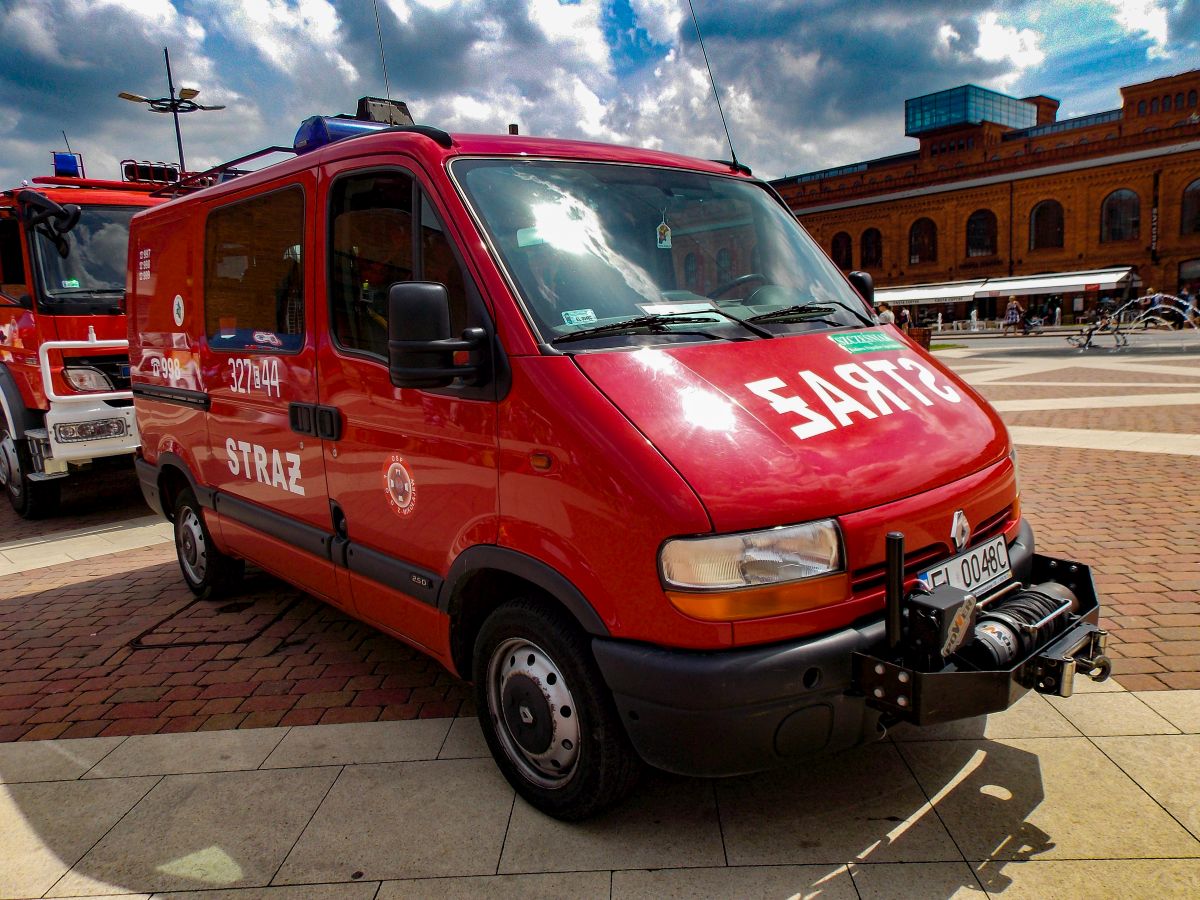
<point>1000,187</point>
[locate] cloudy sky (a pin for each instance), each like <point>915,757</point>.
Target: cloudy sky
<point>806,84</point>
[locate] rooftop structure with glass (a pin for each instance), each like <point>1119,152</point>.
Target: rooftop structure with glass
<point>968,104</point>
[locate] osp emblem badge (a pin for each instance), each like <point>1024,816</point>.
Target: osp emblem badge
<point>960,530</point>
<point>400,486</point>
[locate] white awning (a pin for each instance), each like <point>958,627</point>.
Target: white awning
<point>946,292</point>
<point>1116,278</point>
<point>1058,283</point>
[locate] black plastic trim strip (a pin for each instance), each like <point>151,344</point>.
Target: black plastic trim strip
<point>179,396</point>
<point>391,572</point>
<point>299,534</point>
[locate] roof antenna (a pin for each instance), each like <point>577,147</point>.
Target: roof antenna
<point>737,166</point>
<point>68,143</point>
<point>387,88</point>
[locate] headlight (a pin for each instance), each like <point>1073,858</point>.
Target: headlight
<point>757,574</point>
<point>85,378</point>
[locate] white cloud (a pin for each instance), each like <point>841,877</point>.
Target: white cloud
<point>285,31</point>
<point>1021,48</point>
<point>1144,17</point>
<point>660,18</point>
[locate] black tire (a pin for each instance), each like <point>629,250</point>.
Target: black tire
<point>209,573</point>
<point>547,715</point>
<point>30,499</point>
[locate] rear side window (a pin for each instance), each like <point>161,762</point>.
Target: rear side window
<point>254,274</point>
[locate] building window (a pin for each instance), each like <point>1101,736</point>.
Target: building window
<point>1141,107</point>
<point>1046,225</point>
<point>1119,216</point>
<point>1154,106</point>
<point>922,242</point>
<point>1166,107</point>
<point>842,251</point>
<point>1189,221</point>
<point>871,249</point>
<point>724,265</point>
<point>1191,98</point>
<point>1179,100</point>
<point>689,271</point>
<point>253,273</point>
<point>981,233</point>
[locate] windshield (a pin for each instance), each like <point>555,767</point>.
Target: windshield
<point>596,247</point>
<point>95,261</point>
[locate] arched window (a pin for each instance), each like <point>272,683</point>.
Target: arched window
<point>1141,107</point>
<point>689,271</point>
<point>1179,100</point>
<point>1189,221</point>
<point>724,265</point>
<point>1154,106</point>
<point>1046,225</point>
<point>922,242</point>
<point>871,249</point>
<point>1191,98</point>
<point>981,233</point>
<point>842,251</point>
<point>1166,102</point>
<point>1120,216</point>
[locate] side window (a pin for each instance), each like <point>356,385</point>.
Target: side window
<point>254,274</point>
<point>371,247</point>
<point>12,265</point>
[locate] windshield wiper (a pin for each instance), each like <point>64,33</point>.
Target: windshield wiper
<point>656,324</point>
<point>808,312</point>
<point>75,292</point>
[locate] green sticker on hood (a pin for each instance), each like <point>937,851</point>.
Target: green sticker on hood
<point>866,342</point>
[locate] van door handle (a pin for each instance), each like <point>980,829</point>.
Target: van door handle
<point>324,422</point>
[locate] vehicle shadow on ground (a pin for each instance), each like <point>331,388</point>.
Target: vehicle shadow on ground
<point>106,497</point>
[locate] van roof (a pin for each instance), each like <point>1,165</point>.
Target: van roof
<point>435,155</point>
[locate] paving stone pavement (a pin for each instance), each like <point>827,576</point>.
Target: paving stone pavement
<point>1067,798</point>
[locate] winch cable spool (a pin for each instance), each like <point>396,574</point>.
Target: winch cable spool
<point>1013,626</point>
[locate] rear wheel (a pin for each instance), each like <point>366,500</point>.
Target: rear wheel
<point>547,715</point>
<point>31,499</point>
<point>207,571</point>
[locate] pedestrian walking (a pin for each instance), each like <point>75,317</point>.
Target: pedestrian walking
<point>886,316</point>
<point>1012,316</point>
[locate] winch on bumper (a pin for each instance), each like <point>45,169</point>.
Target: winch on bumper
<point>737,711</point>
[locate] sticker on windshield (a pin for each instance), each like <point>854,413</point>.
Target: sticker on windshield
<point>865,342</point>
<point>177,310</point>
<point>667,309</point>
<point>70,282</point>
<point>579,316</point>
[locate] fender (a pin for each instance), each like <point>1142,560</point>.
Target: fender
<point>490,556</point>
<point>19,416</point>
<point>150,474</point>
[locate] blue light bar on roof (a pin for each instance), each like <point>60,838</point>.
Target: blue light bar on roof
<point>317,131</point>
<point>67,165</point>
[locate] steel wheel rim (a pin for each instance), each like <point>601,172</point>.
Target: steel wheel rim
<point>525,684</point>
<point>7,453</point>
<point>193,551</point>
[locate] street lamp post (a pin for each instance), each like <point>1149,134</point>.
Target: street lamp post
<point>185,102</point>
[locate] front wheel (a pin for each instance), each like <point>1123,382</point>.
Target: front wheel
<point>30,499</point>
<point>208,572</point>
<point>547,715</point>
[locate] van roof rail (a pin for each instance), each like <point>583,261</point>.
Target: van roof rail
<point>194,181</point>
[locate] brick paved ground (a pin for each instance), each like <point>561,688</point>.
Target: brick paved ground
<point>71,664</point>
<point>116,645</point>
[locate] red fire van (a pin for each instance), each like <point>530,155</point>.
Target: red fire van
<point>601,430</point>
<point>64,363</point>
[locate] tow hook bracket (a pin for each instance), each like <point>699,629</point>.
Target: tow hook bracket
<point>1053,670</point>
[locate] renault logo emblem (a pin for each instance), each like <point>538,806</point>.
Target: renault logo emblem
<point>960,530</point>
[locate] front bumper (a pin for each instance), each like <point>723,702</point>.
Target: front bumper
<point>737,711</point>
<point>78,412</point>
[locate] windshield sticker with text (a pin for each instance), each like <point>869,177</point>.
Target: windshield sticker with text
<point>865,342</point>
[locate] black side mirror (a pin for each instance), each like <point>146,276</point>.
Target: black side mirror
<point>420,349</point>
<point>864,284</point>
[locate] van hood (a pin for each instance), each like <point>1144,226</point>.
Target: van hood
<point>802,427</point>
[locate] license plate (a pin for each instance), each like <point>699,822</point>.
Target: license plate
<point>975,570</point>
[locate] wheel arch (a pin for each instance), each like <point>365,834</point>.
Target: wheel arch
<point>19,416</point>
<point>485,576</point>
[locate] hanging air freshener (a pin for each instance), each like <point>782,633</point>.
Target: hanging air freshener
<point>664,234</point>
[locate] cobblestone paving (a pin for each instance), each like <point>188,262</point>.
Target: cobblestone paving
<point>116,645</point>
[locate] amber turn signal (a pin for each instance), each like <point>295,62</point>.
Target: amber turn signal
<point>761,602</point>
